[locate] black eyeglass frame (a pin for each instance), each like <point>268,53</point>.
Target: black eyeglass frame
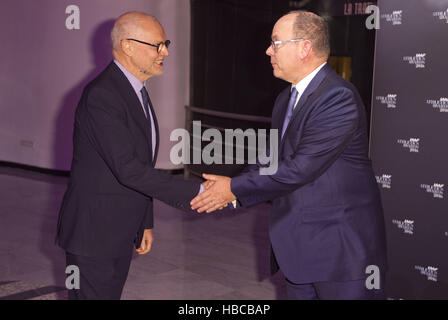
<point>159,46</point>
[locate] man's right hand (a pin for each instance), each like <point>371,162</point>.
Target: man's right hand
<point>216,196</point>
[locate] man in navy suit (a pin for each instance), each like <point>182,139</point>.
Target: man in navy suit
<point>108,206</point>
<point>327,226</point>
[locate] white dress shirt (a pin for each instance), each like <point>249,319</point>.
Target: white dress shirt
<point>302,84</point>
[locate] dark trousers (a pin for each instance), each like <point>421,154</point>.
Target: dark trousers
<point>100,278</point>
<point>347,290</point>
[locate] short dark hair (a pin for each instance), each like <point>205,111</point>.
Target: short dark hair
<point>312,27</point>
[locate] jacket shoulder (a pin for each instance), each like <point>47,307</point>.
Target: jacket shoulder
<point>106,81</point>
<point>105,92</point>
<point>335,82</point>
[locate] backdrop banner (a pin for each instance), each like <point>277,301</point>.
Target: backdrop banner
<point>409,142</point>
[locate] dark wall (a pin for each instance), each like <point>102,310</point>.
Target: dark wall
<point>230,70</point>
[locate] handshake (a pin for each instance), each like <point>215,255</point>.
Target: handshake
<point>217,194</point>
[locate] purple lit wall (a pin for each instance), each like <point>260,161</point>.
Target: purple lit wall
<point>44,67</point>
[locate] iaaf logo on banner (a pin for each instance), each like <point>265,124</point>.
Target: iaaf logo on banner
<point>419,60</point>
<point>385,180</point>
<point>430,272</point>
<point>443,15</point>
<point>395,17</point>
<point>390,100</point>
<point>436,189</point>
<point>406,225</point>
<point>441,104</point>
<point>413,144</point>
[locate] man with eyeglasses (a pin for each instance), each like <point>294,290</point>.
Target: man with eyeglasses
<point>327,226</point>
<point>108,208</point>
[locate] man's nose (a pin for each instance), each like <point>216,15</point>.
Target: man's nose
<point>165,52</point>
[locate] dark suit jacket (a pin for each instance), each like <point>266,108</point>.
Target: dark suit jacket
<point>108,202</point>
<point>327,222</point>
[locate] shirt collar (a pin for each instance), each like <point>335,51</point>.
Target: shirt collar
<point>135,82</point>
<point>302,84</point>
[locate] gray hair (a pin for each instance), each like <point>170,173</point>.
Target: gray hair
<point>127,26</point>
<point>312,27</point>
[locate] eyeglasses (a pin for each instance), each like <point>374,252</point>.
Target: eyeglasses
<point>159,46</point>
<point>276,44</point>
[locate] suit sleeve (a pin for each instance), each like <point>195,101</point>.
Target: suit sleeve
<point>149,218</point>
<point>327,132</point>
<point>105,123</point>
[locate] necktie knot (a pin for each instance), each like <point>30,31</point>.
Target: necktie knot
<point>289,111</point>
<point>145,95</point>
<point>292,98</point>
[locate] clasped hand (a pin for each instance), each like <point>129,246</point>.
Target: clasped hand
<point>217,194</point>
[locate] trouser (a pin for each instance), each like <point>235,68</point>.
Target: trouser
<point>100,278</point>
<point>347,290</point>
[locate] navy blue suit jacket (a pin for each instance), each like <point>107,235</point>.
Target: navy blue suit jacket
<point>108,202</point>
<point>327,221</point>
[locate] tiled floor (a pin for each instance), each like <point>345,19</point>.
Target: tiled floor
<point>215,256</point>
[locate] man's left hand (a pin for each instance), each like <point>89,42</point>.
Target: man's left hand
<point>147,240</point>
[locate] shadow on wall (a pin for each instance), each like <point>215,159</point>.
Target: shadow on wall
<point>101,56</point>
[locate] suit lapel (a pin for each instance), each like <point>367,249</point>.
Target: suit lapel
<point>135,106</point>
<point>301,105</point>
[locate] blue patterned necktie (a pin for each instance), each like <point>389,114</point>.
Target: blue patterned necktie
<point>290,110</point>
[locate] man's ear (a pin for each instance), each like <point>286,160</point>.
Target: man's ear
<point>127,48</point>
<point>305,49</point>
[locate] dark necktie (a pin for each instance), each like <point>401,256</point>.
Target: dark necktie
<point>290,110</point>
<point>146,106</point>
<point>145,98</point>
